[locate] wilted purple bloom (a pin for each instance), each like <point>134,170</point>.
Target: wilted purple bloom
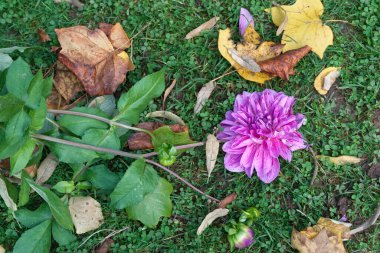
<point>344,218</point>
<point>244,237</point>
<point>245,19</point>
<point>261,128</point>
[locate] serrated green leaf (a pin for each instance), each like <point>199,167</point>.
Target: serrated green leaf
<point>9,106</point>
<point>166,135</point>
<point>62,236</point>
<point>154,205</point>
<point>105,138</point>
<point>36,239</point>
<point>101,177</point>
<point>35,91</point>
<point>64,186</point>
<point>30,219</point>
<point>139,180</point>
<point>9,147</point>
<point>23,196</point>
<point>18,78</point>
<point>78,125</point>
<point>38,116</point>
<point>134,102</point>
<point>69,154</point>
<point>22,156</point>
<point>59,211</point>
<point>17,126</point>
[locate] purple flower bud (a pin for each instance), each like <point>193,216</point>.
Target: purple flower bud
<point>245,19</point>
<point>244,237</point>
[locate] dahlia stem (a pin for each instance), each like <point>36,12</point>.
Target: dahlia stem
<point>108,121</point>
<point>120,153</point>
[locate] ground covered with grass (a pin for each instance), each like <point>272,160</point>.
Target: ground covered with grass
<point>345,122</point>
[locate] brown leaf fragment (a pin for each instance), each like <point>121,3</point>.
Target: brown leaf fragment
<point>55,100</point>
<point>141,141</point>
<point>205,26</point>
<point>105,246</point>
<point>210,217</point>
<point>86,213</point>
<point>31,170</point>
<point>167,92</point>
<point>321,243</point>
<point>44,37</point>
<point>212,150</point>
<point>5,164</point>
<point>90,55</point>
<point>227,200</point>
<point>66,83</point>
<point>116,34</point>
<point>283,65</point>
<point>46,168</point>
<point>374,171</point>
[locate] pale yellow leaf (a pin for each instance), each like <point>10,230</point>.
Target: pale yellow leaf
<point>330,79</point>
<point>203,95</point>
<point>342,160</point>
<point>167,115</point>
<point>86,213</point>
<point>304,26</point>
<point>212,150</point>
<point>46,168</point>
<point>205,26</point>
<point>225,43</point>
<point>281,27</point>
<point>319,80</point>
<point>209,219</point>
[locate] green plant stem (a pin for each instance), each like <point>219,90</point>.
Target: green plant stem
<point>108,121</point>
<point>120,153</point>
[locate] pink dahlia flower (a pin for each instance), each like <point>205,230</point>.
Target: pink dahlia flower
<point>260,129</point>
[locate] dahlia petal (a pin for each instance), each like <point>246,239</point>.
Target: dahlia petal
<point>273,147</point>
<point>232,163</point>
<point>245,19</point>
<point>270,171</point>
<point>247,157</point>
<point>284,151</point>
<point>229,148</point>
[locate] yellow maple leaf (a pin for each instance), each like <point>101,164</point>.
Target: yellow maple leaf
<point>265,51</point>
<point>304,26</point>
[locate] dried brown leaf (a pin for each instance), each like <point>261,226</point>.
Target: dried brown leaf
<point>31,170</point>
<point>212,150</point>
<point>75,3</point>
<point>167,92</point>
<point>90,55</point>
<point>44,37</point>
<point>209,219</point>
<point>86,213</point>
<point>167,115</point>
<point>46,168</point>
<point>141,141</point>
<point>374,171</point>
<point>207,25</point>
<point>5,196</point>
<point>116,34</point>
<point>283,65</point>
<point>203,95</point>
<point>227,200</point>
<point>66,83</point>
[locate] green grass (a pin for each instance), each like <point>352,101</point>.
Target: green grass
<point>340,124</point>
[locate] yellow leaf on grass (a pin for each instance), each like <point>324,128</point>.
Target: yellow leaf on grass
<point>342,160</point>
<point>304,26</point>
<point>225,43</point>
<point>319,80</point>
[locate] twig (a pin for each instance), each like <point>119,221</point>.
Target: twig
<point>182,179</point>
<point>367,223</point>
<point>113,234</point>
<point>225,74</point>
<point>88,238</point>
<point>120,153</point>
<point>141,30</point>
<point>317,165</point>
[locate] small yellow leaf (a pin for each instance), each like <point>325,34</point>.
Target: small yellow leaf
<point>319,80</point>
<point>304,26</point>
<point>342,160</point>
<point>251,36</point>
<point>225,43</point>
